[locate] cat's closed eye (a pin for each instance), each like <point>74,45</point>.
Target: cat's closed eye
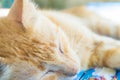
<point>60,48</point>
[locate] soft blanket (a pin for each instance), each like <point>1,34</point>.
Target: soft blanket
<point>99,74</point>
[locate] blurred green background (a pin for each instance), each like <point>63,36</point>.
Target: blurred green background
<point>57,4</point>
<point>5,3</point>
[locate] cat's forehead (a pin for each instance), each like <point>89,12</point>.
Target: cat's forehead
<point>10,29</point>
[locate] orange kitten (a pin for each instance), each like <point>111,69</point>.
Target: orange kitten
<point>50,45</point>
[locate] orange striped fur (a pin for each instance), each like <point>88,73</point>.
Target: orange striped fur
<point>50,45</point>
<point>96,22</point>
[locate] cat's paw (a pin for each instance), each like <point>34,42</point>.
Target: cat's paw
<point>112,58</point>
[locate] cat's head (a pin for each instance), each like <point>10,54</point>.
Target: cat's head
<point>31,46</point>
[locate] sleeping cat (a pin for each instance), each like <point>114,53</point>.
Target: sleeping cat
<point>50,45</point>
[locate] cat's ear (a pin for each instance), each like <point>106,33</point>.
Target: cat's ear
<point>16,11</point>
<point>23,11</point>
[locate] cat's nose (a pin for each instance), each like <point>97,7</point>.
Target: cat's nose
<point>71,69</point>
<point>72,72</point>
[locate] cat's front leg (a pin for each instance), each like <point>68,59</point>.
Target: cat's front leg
<point>105,53</point>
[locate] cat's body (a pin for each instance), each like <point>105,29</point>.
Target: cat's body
<point>97,23</point>
<point>50,45</point>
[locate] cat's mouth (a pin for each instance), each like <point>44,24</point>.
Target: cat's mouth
<point>68,71</point>
<point>60,72</point>
<point>46,74</point>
